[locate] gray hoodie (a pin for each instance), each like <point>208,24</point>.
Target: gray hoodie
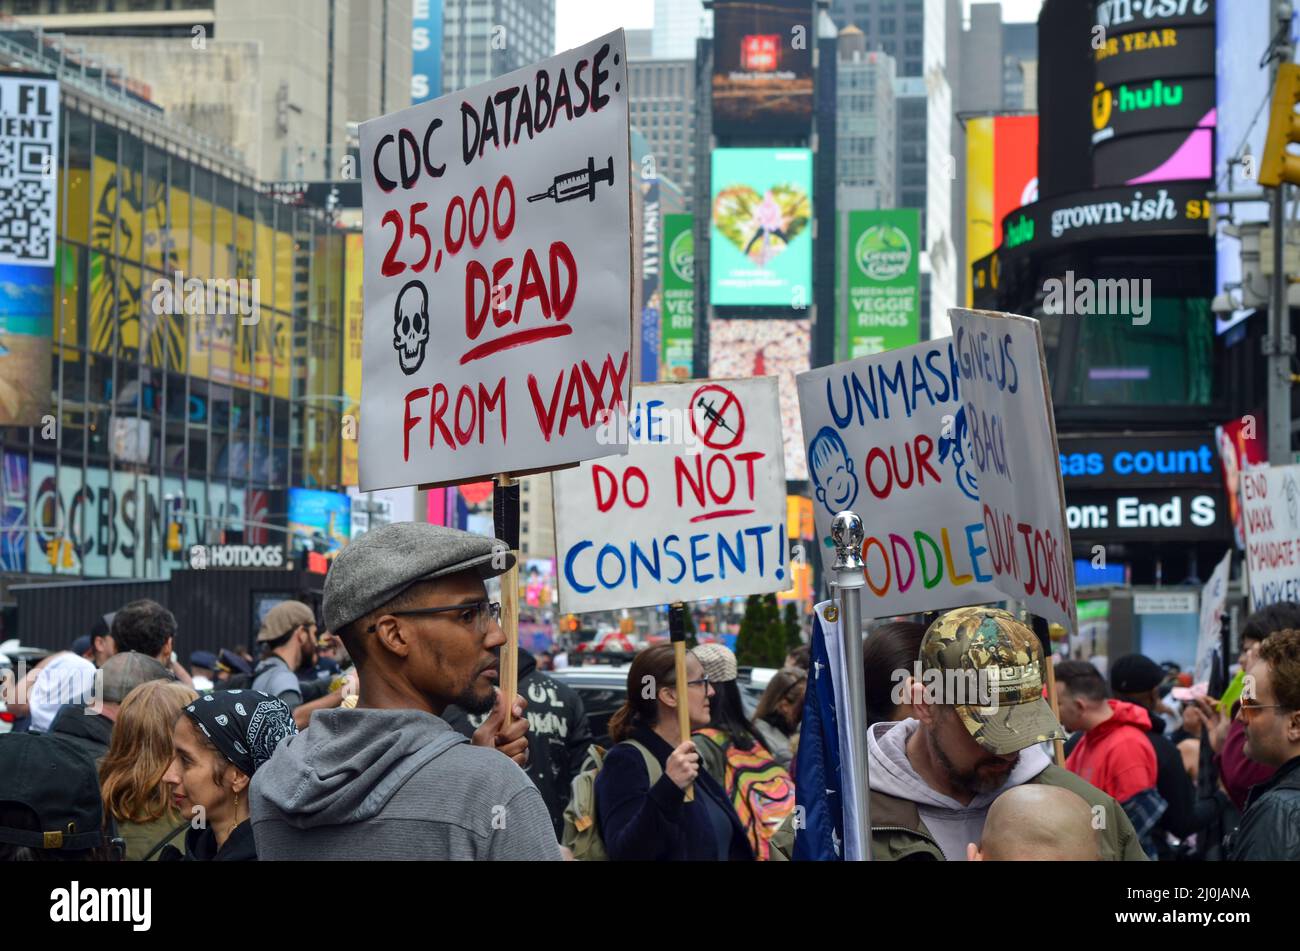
<point>394,784</point>
<point>952,824</point>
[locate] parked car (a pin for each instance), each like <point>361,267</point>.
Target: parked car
<point>13,658</point>
<point>603,689</point>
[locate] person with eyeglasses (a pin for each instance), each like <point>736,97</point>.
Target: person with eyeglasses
<point>1270,712</point>
<point>389,779</point>
<point>641,806</point>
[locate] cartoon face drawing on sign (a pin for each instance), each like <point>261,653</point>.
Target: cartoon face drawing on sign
<point>411,326</point>
<point>832,471</point>
<point>1291,492</point>
<point>955,443</point>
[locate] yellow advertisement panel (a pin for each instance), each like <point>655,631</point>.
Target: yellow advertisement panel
<point>353,308</point>
<point>979,194</point>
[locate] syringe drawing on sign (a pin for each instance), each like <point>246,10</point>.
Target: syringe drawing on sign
<point>579,183</point>
<point>712,415</point>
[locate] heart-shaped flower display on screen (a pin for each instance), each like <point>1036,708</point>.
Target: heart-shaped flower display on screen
<point>761,226</point>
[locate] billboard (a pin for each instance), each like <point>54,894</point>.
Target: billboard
<point>779,348</point>
<point>678,333</point>
<point>1154,94</point>
<point>651,300</point>
<point>319,521</point>
<point>884,280</point>
<point>760,241</point>
<point>426,50</point>
<point>29,157</point>
<point>762,65</point>
<point>115,524</point>
<point>13,512</point>
<point>1001,175</point>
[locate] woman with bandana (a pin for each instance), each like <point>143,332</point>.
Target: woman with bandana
<point>219,741</point>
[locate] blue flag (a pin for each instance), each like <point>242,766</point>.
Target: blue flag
<point>818,788</point>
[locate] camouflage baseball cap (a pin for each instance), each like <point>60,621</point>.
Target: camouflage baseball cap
<point>1000,663</point>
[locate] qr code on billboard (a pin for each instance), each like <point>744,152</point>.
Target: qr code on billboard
<point>26,202</point>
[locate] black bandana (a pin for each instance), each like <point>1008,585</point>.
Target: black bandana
<point>245,725</point>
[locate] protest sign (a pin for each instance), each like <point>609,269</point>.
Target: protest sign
<point>696,509</point>
<point>1270,515</point>
<point>1017,461</point>
<point>887,437</point>
<point>1214,601</point>
<point>497,273</point>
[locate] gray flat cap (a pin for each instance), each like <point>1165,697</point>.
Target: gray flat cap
<point>372,570</point>
<point>125,671</point>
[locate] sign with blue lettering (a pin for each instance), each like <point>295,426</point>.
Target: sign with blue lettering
<point>696,509</point>
<point>1022,499</point>
<point>887,436</point>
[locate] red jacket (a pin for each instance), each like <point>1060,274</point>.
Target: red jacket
<point>1115,755</point>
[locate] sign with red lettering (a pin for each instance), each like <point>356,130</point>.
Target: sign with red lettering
<point>1016,459</point>
<point>1270,517</point>
<point>696,509</point>
<point>887,438</point>
<point>498,274</point>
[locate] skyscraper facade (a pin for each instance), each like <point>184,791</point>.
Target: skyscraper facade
<point>486,38</point>
<point>678,24</point>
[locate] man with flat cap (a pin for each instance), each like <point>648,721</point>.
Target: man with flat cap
<point>390,779</point>
<point>980,723</point>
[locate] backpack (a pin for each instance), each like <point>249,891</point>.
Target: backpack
<point>581,834</point>
<point>760,789</point>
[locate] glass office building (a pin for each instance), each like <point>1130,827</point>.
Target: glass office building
<point>198,355</point>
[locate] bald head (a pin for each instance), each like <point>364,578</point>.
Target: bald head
<point>1035,822</point>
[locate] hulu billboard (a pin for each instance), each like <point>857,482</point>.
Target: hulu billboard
<point>883,292</point>
<point>678,331</point>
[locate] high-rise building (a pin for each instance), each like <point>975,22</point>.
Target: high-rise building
<point>1020,66</point>
<point>999,63</point>
<point>922,36</point>
<point>286,111</point>
<point>678,24</point>
<point>662,105</point>
<point>640,44</point>
<point>865,126</point>
<point>486,38</point>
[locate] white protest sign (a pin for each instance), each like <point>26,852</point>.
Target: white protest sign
<point>1270,515</point>
<point>887,437</point>
<point>1214,601</point>
<point>497,273</point>
<point>696,509</point>
<point>1017,462</point>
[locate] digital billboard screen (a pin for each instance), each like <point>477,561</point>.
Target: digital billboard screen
<point>761,228</point>
<point>762,64</point>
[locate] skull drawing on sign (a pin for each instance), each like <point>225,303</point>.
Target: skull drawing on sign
<point>411,326</point>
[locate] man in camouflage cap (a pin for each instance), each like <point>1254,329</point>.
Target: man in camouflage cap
<point>980,726</point>
<point>996,662</point>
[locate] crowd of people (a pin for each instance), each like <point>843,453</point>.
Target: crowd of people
<point>378,731</point>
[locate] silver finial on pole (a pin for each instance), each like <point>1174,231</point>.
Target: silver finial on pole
<point>848,534</point>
